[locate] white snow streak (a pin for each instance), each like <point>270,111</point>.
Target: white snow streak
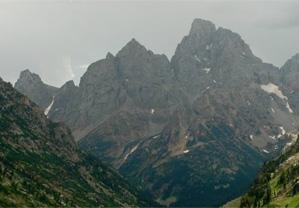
<point>152,111</point>
<point>132,150</point>
<point>289,108</point>
<point>207,70</point>
<point>283,132</point>
<point>265,151</point>
<point>47,110</point>
<point>186,151</point>
<point>196,58</point>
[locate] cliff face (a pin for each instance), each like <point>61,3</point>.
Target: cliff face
<point>41,165</point>
<point>192,131</point>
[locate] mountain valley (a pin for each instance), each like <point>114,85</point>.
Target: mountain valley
<point>41,165</point>
<point>192,131</point>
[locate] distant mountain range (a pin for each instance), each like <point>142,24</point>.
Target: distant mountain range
<point>192,131</point>
<point>41,165</point>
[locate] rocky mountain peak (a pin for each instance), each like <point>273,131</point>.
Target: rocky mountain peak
<point>289,72</point>
<point>293,63</point>
<point>30,84</point>
<point>28,77</point>
<point>109,56</point>
<point>132,49</point>
<point>202,28</point>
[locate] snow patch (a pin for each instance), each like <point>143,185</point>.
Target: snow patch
<point>214,81</point>
<point>155,137</point>
<point>273,110</point>
<point>208,47</point>
<point>272,137</point>
<point>132,150</point>
<point>186,151</point>
<point>207,70</point>
<point>251,137</point>
<point>127,80</point>
<point>208,87</point>
<point>289,108</point>
<point>196,58</point>
<point>47,110</point>
<point>248,103</point>
<point>243,53</point>
<point>272,88</point>
<point>152,111</point>
<point>283,132</point>
<point>265,151</point>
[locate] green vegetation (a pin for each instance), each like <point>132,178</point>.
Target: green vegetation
<point>40,164</point>
<point>277,185</point>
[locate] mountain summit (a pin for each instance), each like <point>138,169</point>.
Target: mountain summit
<point>191,132</point>
<point>31,85</point>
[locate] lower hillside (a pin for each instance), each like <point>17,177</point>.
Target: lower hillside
<point>40,164</point>
<point>277,185</point>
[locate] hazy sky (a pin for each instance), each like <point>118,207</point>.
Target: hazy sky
<point>59,39</point>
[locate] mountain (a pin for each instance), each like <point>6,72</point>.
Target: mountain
<point>277,183</point>
<point>41,165</point>
<point>30,84</point>
<point>192,131</point>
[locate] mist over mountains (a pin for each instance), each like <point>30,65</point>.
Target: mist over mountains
<point>190,131</point>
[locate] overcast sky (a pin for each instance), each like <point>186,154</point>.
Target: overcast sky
<point>58,40</point>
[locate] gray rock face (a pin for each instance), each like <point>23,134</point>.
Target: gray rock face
<point>30,84</point>
<point>193,131</point>
<point>290,81</point>
<point>220,54</point>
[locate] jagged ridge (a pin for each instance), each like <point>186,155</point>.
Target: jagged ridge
<point>193,131</point>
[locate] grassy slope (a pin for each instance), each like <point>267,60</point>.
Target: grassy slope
<point>277,185</point>
<point>40,165</point>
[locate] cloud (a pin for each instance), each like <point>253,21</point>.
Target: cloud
<point>68,68</point>
<point>83,66</point>
<point>57,39</point>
